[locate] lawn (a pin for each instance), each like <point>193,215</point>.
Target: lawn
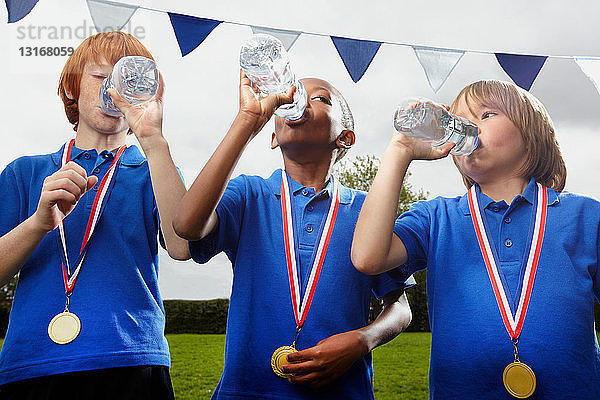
<point>401,366</point>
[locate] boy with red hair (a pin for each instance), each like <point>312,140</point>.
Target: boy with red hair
<point>109,340</point>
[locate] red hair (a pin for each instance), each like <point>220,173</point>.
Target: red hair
<point>104,46</point>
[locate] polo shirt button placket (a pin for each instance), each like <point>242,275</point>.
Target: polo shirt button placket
<point>309,228</point>
<point>508,243</point>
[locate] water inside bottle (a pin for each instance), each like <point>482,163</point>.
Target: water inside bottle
<point>265,62</point>
<point>433,124</point>
<point>135,78</point>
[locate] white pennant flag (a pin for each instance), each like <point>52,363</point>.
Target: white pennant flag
<point>591,68</point>
<point>288,38</point>
<point>110,16</point>
<point>437,64</point>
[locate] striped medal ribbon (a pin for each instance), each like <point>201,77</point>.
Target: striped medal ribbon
<point>519,379</point>
<point>65,327</point>
<point>301,305</point>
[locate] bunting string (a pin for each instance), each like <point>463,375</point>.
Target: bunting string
<point>356,54</point>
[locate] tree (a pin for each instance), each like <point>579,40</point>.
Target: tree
<point>7,293</point>
<point>359,173</point>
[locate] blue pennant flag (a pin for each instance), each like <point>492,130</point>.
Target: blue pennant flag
<point>191,31</point>
<point>522,69</point>
<point>356,54</point>
<point>18,9</point>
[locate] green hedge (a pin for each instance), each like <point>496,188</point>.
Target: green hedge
<point>196,316</point>
<point>210,316</point>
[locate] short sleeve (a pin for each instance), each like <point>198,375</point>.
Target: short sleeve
<point>412,228</point>
<point>386,283</point>
<point>226,237</point>
<point>11,201</point>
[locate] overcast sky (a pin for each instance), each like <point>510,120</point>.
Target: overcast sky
<point>201,95</point>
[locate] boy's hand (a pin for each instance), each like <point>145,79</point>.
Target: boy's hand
<point>418,149</point>
<point>327,361</point>
<point>144,119</point>
<point>60,193</point>
<point>258,111</point>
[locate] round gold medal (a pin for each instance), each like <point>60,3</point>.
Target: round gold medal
<point>279,359</point>
<point>519,380</point>
<point>64,328</point>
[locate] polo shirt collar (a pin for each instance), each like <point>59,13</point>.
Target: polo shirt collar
<point>131,156</point>
<point>275,183</point>
<point>528,195</point>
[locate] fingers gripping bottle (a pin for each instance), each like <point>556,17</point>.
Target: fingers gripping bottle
<point>265,61</point>
<point>431,122</point>
<point>135,78</point>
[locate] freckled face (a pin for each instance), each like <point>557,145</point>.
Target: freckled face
<point>90,113</point>
<point>501,152</point>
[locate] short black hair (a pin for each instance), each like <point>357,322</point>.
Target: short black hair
<point>347,120</point>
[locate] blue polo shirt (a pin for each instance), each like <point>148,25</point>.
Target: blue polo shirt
<point>116,295</point>
<point>261,317</point>
<point>470,345</point>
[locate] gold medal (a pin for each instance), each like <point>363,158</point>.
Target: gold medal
<point>519,380</point>
<point>64,328</point>
<point>279,359</point>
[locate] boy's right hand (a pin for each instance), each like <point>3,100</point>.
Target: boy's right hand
<point>258,111</point>
<point>60,193</point>
<point>418,149</point>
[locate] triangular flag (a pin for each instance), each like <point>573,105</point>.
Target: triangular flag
<point>191,31</point>
<point>18,9</point>
<point>522,69</point>
<point>110,16</point>
<point>591,68</point>
<point>356,54</point>
<point>437,63</point>
<point>288,38</point>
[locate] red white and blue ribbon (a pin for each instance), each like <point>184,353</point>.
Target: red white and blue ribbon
<point>104,190</point>
<point>302,305</point>
<point>513,324</point>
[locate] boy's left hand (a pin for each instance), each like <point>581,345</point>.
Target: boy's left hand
<point>144,119</point>
<point>327,361</point>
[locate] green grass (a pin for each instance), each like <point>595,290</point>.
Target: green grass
<point>401,366</point>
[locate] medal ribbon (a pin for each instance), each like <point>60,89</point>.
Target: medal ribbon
<point>513,325</point>
<point>97,208</point>
<point>301,306</point>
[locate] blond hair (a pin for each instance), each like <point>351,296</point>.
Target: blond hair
<point>543,159</point>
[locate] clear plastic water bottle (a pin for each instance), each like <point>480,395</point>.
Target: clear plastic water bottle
<point>265,61</point>
<point>431,122</point>
<point>135,78</point>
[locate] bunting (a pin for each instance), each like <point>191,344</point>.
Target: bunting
<point>522,69</point>
<point>110,16</point>
<point>191,31</point>
<point>437,63</point>
<point>356,54</point>
<point>287,38</point>
<point>18,9</point>
<point>591,68</point>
